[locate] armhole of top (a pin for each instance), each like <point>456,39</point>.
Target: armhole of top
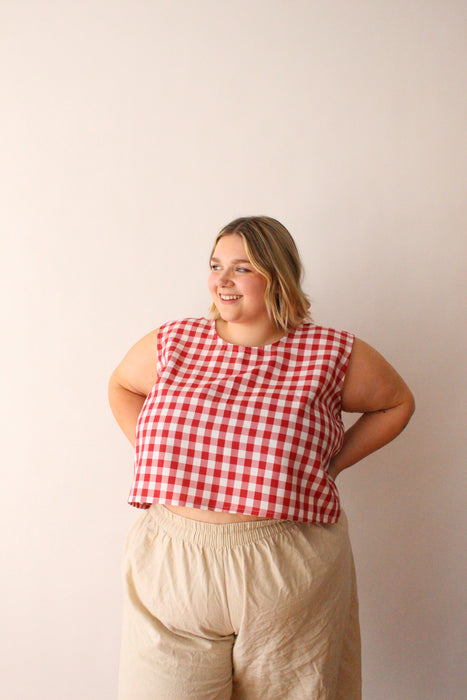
<point>344,360</point>
<point>165,332</point>
<point>168,334</point>
<point>160,351</point>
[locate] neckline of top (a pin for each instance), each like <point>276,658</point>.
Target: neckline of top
<point>249,347</point>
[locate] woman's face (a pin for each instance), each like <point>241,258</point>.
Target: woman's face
<point>237,289</point>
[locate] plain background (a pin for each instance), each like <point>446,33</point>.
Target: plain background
<point>131,132</point>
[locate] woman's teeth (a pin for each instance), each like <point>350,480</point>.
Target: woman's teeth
<point>229,297</point>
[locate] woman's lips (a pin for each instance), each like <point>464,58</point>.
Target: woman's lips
<point>229,298</point>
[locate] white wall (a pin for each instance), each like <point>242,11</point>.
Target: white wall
<point>131,132</point>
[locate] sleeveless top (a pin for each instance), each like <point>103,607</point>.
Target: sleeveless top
<point>243,429</point>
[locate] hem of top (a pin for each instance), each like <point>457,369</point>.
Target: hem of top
<point>330,520</point>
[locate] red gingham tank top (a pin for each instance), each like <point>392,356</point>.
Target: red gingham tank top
<point>243,429</point>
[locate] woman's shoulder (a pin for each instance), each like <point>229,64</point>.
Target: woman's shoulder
<point>184,329</point>
<point>186,324</point>
<point>319,333</point>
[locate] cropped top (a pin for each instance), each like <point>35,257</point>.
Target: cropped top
<point>243,429</point>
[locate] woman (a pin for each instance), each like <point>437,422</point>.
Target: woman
<point>239,577</point>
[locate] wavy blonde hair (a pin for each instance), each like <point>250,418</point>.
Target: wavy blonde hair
<point>272,251</point>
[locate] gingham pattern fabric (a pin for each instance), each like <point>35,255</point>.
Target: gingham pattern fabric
<point>243,429</point>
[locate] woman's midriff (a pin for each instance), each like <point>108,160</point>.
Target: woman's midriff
<point>210,516</point>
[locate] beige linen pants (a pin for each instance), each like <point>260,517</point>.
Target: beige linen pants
<point>258,610</point>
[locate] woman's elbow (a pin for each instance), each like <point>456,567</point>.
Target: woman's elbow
<point>409,406</point>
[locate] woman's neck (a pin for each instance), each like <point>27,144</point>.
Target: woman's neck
<point>252,336</point>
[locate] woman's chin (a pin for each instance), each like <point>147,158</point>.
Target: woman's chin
<point>226,317</point>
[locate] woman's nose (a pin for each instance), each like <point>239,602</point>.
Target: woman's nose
<point>225,278</point>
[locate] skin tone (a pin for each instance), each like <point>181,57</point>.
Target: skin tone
<point>372,386</point>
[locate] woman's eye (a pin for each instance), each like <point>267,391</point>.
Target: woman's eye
<point>237,269</point>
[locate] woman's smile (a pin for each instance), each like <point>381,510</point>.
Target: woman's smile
<point>229,298</point>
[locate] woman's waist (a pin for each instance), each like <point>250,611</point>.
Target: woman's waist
<point>211,516</point>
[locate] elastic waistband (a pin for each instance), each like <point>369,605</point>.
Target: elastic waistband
<point>216,535</point>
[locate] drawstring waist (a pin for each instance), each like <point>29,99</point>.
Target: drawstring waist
<point>213,534</point>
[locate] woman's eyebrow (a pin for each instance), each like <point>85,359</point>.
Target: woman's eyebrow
<point>237,260</point>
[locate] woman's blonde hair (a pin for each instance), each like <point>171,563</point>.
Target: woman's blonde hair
<point>272,251</point>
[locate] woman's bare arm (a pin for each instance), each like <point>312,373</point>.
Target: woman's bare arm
<point>372,387</point>
<point>131,381</point>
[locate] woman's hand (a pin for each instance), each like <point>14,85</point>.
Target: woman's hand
<point>372,387</point>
